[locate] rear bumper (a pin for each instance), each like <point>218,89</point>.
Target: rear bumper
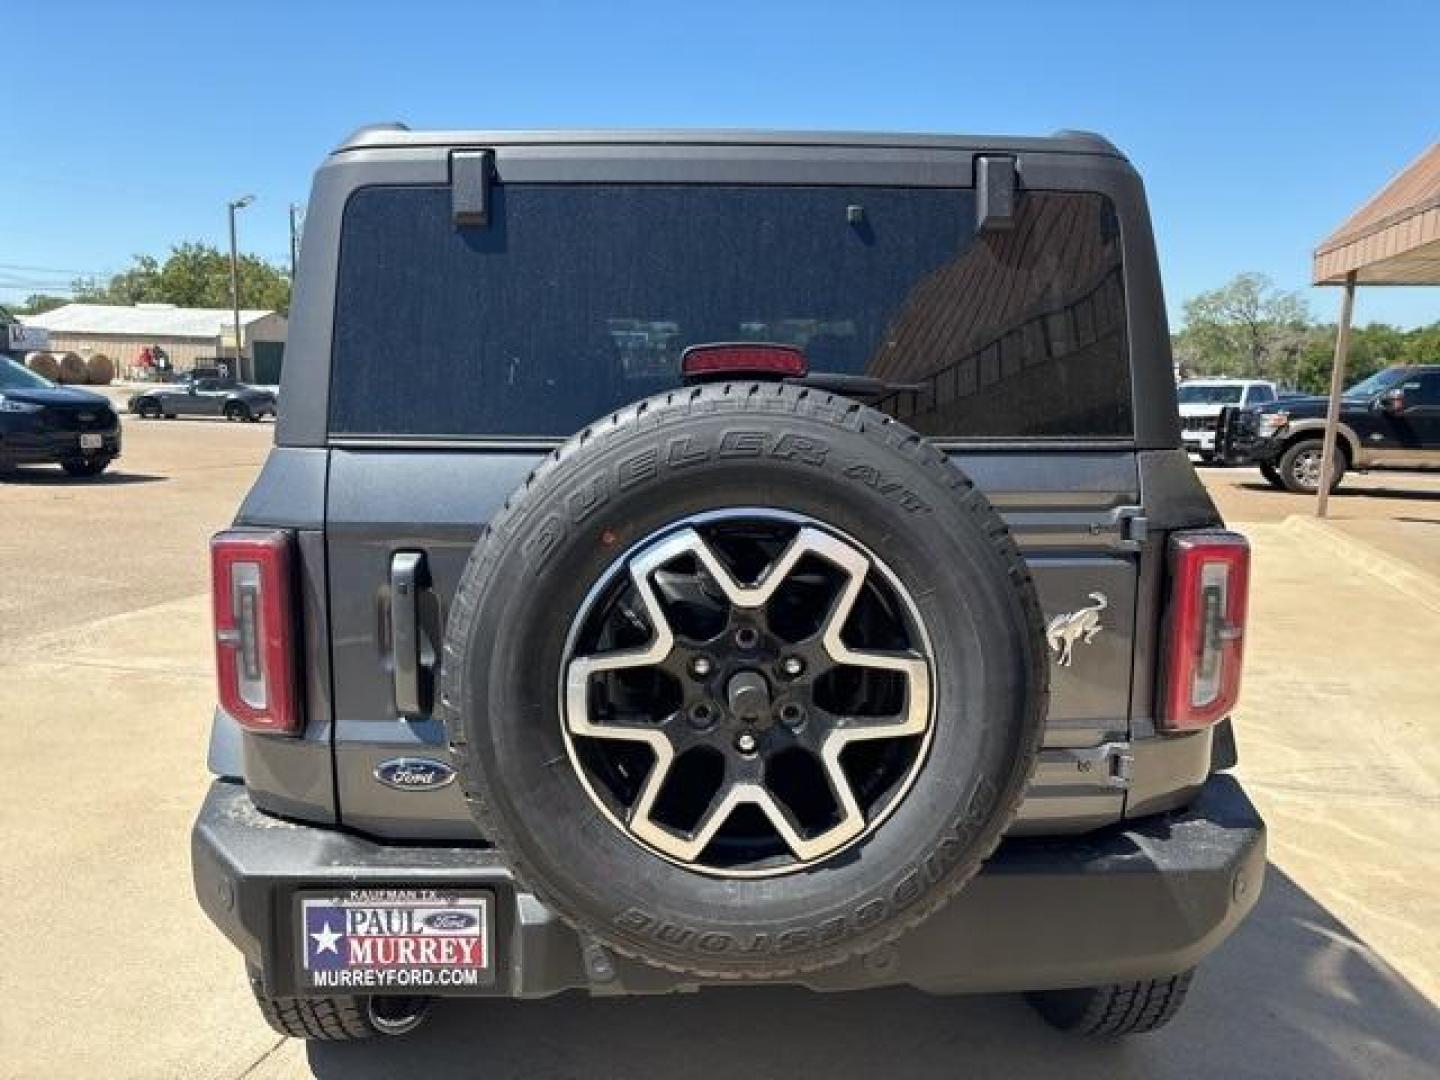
<point>1124,903</point>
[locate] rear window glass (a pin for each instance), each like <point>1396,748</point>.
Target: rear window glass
<point>578,299</point>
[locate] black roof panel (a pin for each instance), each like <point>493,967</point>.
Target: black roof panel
<point>395,135</point>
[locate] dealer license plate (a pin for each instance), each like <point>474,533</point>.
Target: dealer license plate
<point>91,442</point>
<point>396,940</point>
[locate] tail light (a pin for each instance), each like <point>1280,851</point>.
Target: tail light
<point>742,359</point>
<point>254,629</point>
<point>1205,628</point>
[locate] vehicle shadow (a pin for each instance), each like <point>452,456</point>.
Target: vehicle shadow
<point>1294,993</point>
<point>55,477</point>
<point>1351,492</point>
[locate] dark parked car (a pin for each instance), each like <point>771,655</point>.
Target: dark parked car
<point>45,424</point>
<point>782,566</point>
<point>1392,418</point>
<point>204,397</point>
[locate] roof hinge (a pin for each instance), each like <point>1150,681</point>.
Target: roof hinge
<point>995,192</point>
<point>471,173</point>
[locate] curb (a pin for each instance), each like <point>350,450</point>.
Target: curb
<point>1404,577</point>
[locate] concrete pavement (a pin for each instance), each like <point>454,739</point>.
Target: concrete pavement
<point>109,969</point>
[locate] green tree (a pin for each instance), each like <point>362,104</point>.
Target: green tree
<point>37,303</point>
<point>1372,347</point>
<point>193,275</point>
<point>1246,327</point>
<point>1422,345</point>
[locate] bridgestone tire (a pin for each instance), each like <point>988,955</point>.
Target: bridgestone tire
<point>1118,1009</point>
<point>626,479</point>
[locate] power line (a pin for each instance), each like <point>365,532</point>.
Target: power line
<point>52,269</point>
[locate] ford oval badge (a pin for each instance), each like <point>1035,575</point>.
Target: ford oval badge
<point>450,920</point>
<point>414,774</point>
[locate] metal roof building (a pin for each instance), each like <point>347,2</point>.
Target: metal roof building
<point>1393,239</point>
<point>187,335</point>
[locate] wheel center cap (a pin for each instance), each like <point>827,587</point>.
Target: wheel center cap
<point>749,698</point>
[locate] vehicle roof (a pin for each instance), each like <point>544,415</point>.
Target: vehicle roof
<point>380,136</point>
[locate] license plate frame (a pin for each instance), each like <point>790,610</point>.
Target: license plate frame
<point>92,442</point>
<point>394,940</point>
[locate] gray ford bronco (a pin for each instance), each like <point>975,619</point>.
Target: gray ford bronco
<point>697,558</point>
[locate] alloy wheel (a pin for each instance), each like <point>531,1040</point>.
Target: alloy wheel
<point>747,693</point>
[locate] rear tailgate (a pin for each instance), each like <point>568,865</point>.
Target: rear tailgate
<point>1073,515</point>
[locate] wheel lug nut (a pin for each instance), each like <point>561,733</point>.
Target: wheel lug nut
<point>702,716</point>
<point>793,666</point>
<point>792,715</point>
<point>747,637</point>
<point>745,743</point>
<point>700,666</point>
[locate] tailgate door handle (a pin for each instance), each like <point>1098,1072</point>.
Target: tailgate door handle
<point>406,569</point>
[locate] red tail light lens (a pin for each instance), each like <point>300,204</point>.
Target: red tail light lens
<point>742,359</point>
<point>251,584</point>
<point>1205,628</point>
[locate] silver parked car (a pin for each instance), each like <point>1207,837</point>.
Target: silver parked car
<point>204,397</point>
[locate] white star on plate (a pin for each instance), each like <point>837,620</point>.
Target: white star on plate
<point>326,939</point>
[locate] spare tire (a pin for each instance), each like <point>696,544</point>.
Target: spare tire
<point>745,680</point>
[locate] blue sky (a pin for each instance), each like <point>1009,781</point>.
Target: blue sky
<point>1257,126</point>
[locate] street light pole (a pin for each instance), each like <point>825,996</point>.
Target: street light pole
<point>236,204</point>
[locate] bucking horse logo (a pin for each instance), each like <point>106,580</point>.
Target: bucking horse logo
<point>1065,630</point>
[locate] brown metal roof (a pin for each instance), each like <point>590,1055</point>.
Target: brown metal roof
<point>1394,239</point>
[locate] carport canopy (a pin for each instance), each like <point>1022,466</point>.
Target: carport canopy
<point>1393,239</point>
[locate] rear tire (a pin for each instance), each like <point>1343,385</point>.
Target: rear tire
<point>338,1019</point>
<point>1131,1008</point>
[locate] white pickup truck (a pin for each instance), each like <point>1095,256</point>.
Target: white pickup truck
<point>1201,401</point>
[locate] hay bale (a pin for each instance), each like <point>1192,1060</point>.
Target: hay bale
<point>43,364</point>
<point>99,370</point>
<point>72,367</point>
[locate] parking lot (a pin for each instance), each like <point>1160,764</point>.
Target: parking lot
<point>110,968</point>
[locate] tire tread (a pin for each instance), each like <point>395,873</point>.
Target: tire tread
<point>330,1019</point>
<point>1130,1008</point>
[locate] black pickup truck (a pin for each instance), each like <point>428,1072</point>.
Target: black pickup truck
<point>1391,418</point>
<point>716,558</point>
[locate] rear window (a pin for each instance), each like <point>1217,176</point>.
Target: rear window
<point>578,299</point>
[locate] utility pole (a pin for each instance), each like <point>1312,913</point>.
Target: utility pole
<point>294,240</point>
<point>236,204</point>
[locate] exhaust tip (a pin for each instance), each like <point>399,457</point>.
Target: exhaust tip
<point>397,1015</point>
